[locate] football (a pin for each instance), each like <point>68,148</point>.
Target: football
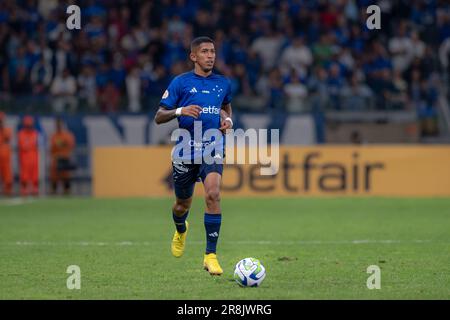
<point>249,272</point>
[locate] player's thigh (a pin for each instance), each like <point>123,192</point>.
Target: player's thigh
<point>184,178</point>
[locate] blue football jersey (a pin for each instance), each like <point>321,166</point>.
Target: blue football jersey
<point>210,93</point>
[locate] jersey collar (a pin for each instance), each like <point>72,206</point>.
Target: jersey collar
<point>201,77</point>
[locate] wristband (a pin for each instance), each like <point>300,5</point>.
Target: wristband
<point>229,119</point>
<point>178,111</point>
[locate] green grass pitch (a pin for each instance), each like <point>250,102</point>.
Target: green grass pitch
<point>312,248</point>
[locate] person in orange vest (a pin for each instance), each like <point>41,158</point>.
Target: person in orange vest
<point>6,176</point>
<point>62,143</point>
<point>28,157</point>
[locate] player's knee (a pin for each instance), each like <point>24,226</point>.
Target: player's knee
<point>212,196</point>
<point>180,208</point>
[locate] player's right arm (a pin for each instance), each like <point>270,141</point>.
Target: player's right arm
<point>164,115</point>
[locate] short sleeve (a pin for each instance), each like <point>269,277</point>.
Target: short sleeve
<point>228,96</point>
<point>170,97</point>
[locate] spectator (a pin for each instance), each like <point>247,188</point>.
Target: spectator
<point>297,56</point>
<point>63,58</point>
<point>318,89</point>
<point>390,96</point>
<point>276,98</point>
<point>324,49</point>
<point>41,76</point>
<point>239,81</point>
<point>87,87</point>
<point>401,48</point>
<point>63,90</point>
<point>415,89</point>
<point>109,98</point>
<point>20,84</point>
<point>335,83</point>
<point>133,83</point>
<point>418,46</point>
<point>296,93</point>
<point>356,95</point>
<point>268,47</point>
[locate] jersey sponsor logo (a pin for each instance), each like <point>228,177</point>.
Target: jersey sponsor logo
<point>199,144</point>
<point>166,94</point>
<point>211,110</point>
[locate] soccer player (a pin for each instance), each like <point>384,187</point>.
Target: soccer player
<point>62,143</point>
<point>199,98</point>
<point>28,157</point>
<point>6,175</point>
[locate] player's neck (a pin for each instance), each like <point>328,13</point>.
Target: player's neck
<point>198,71</point>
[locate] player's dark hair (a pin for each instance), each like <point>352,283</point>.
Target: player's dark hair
<point>198,41</point>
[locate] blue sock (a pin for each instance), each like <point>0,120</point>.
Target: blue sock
<point>212,227</point>
<point>180,222</point>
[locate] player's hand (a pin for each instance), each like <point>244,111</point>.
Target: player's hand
<point>192,110</point>
<point>224,125</point>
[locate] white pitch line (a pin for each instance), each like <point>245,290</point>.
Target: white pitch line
<point>15,202</point>
<point>262,242</point>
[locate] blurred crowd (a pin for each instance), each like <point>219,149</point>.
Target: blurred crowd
<point>293,55</point>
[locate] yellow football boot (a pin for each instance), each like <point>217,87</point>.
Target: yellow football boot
<point>211,264</point>
<point>178,242</point>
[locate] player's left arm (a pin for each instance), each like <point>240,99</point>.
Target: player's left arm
<point>225,117</point>
<point>226,112</point>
